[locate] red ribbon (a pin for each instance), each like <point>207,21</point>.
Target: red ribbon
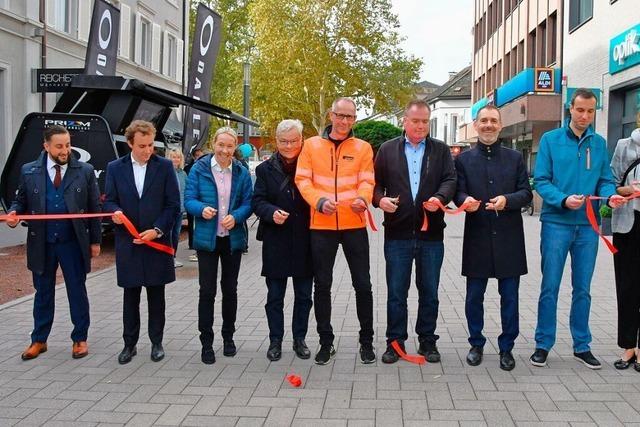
<point>370,220</point>
<point>294,380</point>
<point>126,222</point>
<point>412,358</point>
<point>443,208</point>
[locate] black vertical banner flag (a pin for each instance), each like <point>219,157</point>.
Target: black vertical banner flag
<point>204,52</point>
<point>102,47</point>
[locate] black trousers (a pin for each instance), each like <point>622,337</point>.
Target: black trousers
<point>324,247</point>
<point>131,314</point>
<point>208,276</point>
<point>627,269</point>
<point>190,225</point>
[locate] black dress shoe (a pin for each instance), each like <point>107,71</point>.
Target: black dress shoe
<point>301,349</point>
<point>229,348</point>
<point>157,352</point>
<point>474,357</point>
<point>624,364</point>
<point>507,362</point>
<point>127,354</point>
<point>429,351</point>
<point>275,350</point>
<point>208,356</point>
<point>636,366</point>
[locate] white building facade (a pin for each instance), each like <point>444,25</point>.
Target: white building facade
<point>153,35</point>
<point>602,52</point>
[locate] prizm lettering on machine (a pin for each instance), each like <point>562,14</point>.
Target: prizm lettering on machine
<point>69,124</point>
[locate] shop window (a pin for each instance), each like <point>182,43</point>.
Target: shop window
<point>630,112</point>
<point>580,11</point>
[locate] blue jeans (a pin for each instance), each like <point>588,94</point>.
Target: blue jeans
<point>399,256</point>
<point>474,310</point>
<point>277,287</point>
<point>556,241</point>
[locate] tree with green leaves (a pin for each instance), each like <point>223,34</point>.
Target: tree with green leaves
<point>309,52</point>
<point>376,132</point>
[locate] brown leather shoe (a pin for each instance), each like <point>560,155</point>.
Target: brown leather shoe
<point>34,350</point>
<point>80,349</point>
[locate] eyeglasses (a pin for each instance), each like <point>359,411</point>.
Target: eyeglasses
<point>286,143</point>
<point>341,116</point>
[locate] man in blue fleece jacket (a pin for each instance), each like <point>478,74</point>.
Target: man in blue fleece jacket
<point>572,163</point>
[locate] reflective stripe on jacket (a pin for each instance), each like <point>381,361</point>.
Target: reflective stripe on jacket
<point>340,173</point>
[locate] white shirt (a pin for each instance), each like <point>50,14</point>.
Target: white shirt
<point>139,172</point>
<point>52,170</point>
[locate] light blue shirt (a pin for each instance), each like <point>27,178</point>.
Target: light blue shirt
<point>414,155</point>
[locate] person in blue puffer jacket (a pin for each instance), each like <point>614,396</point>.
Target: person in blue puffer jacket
<point>572,164</point>
<point>218,195</point>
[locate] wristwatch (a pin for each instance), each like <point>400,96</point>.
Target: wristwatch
<point>158,232</point>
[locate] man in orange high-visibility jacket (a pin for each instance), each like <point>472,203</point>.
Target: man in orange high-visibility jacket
<point>335,176</point>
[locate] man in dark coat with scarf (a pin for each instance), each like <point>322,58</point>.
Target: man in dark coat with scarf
<point>284,231</point>
<point>494,185</point>
<point>143,187</point>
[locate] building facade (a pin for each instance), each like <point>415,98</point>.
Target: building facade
<point>152,38</point>
<point>602,52</point>
<point>516,65</point>
<point>450,105</point>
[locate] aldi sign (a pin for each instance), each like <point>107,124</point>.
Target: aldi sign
<point>624,50</point>
<point>545,81</point>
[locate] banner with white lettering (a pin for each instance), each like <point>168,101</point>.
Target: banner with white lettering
<point>102,47</point>
<point>204,52</point>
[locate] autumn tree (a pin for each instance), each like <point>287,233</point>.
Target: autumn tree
<point>308,52</point>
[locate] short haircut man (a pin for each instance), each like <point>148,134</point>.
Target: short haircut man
<point>493,183</point>
<point>338,198</point>
<point>572,163</point>
<point>68,186</point>
<point>403,183</point>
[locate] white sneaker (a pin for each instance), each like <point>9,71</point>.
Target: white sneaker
<point>177,263</point>
<point>193,258</point>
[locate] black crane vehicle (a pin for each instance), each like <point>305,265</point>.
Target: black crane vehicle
<point>96,110</point>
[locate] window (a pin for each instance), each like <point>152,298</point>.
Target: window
<point>506,68</point>
<point>59,16</point>
<point>434,128</point>
<point>446,132</point>
<point>580,11</point>
<point>531,49</point>
<point>630,112</point>
<point>169,55</point>
<point>542,33</point>
<point>454,127</point>
<point>553,35</point>
<point>145,42</point>
<point>520,57</point>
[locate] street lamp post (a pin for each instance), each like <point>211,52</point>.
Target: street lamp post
<point>245,110</point>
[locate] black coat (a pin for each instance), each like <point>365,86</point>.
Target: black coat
<point>438,178</point>
<point>81,195</point>
<point>493,244</point>
<point>286,250</point>
<point>141,265</point>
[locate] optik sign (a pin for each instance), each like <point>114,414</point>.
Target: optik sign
<point>624,50</point>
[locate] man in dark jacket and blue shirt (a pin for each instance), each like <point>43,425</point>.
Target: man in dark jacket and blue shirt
<point>410,170</point>
<point>56,183</point>
<point>493,182</point>
<point>572,163</point>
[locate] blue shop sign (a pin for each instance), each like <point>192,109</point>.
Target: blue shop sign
<point>624,50</point>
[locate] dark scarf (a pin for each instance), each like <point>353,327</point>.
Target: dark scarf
<point>288,168</point>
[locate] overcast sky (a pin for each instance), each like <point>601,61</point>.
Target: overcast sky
<point>438,32</point>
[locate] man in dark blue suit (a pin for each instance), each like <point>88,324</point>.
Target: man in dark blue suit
<point>493,234</point>
<point>56,183</point>
<point>144,188</point>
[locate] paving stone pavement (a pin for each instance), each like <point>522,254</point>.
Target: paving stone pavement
<point>247,389</point>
